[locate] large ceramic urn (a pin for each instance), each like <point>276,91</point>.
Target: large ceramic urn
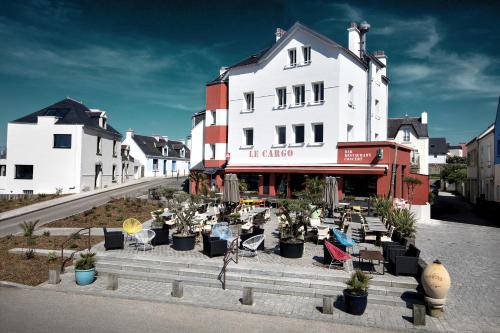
<point>436,282</point>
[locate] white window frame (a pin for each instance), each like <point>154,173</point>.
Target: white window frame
<point>292,61</point>
<point>279,104</point>
<point>302,95</point>
<point>249,105</point>
<point>306,50</point>
<point>245,137</point>
<point>321,91</point>
<point>350,96</point>
<point>313,138</point>
<point>406,134</point>
<point>277,140</point>
<point>295,134</point>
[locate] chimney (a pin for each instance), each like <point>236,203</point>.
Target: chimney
<point>380,55</point>
<point>222,70</point>
<point>354,39</point>
<point>130,133</point>
<point>363,28</point>
<point>279,33</point>
<point>165,137</point>
<point>157,137</point>
<point>423,118</point>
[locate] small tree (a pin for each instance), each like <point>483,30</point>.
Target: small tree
<point>185,206</point>
<point>198,178</point>
<point>411,183</point>
<point>28,232</point>
<point>168,193</point>
<point>296,213</point>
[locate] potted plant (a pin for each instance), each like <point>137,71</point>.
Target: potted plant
<point>85,269</point>
<point>53,268</point>
<point>406,225</point>
<point>295,214</point>
<point>160,228</point>
<point>185,207</point>
<point>356,293</point>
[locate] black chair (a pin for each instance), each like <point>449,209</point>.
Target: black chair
<point>214,246</point>
<point>404,261</point>
<point>395,242</point>
<point>256,231</point>
<point>113,239</point>
<point>162,236</point>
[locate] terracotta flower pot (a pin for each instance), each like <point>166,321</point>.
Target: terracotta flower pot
<point>436,280</point>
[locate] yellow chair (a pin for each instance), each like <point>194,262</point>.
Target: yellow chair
<point>131,226</point>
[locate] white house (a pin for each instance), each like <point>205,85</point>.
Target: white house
<point>412,132</point>
<point>158,155</point>
<point>438,150</point>
<point>64,146</point>
<point>131,168</point>
<point>481,166</point>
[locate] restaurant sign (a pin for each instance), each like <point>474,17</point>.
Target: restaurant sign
<point>349,155</point>
<point>270,153</point>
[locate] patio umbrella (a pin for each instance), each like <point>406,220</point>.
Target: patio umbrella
<point>231,188</point>
<point>330,193</point>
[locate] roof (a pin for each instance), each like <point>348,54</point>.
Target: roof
<point>438,146</point>
<point>70,112</point>
<point>151,147</point>
<point>394,124</point>
<point>263,54</point>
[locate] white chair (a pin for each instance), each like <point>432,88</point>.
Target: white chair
<point>144,237</point>
<point>323,233</point>
<point>250,245</point>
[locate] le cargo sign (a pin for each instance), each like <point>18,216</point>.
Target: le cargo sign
<point>270,153</point>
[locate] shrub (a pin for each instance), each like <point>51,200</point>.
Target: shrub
<point>109,214</point>
<point>29,254</point>
<point>119,218</point>
<point>73,246</point>
<point>405,222</point>
<point>86,261</point>
<point>76,236</point>
<point>46,233</point>
<point>358,283</point>
<point>51,256</point>
<point>107,207</point>
<point>59,191</point>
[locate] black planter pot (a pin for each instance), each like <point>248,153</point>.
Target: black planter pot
<point>184,243</point>
<point>396,236</point>
<point>355,304</point>
<point>161,237</point>
<point>409,240</point>
<point>291,250</point>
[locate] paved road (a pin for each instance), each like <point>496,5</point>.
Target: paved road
<point>10,226</point>
<point>29,310</point>
<point>468,247</point>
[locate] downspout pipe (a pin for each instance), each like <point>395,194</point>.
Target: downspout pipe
<point>369,101</point>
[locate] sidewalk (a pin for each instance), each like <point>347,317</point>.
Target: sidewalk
<point>58,201</point>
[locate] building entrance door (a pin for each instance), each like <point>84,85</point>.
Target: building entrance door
<point>98,176</point>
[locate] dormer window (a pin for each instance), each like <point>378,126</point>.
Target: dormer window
<point>183,152</point>
<point>102,122</point>
<point>292,57</point>
<point>165,151</point>
<point>406,134</point>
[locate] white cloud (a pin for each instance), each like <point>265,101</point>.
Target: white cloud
<point>344,12</point>
<point>411,72</point>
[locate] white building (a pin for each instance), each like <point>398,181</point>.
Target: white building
<point>438,150</point>
<point>158,155</point>
<point>64,146</point>
<point>412,132</point>
<point>481,166</point>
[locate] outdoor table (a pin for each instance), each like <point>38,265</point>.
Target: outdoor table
<point>378,229</point>
<point>328,220</point>
<point>370,256</point>
<point>167,214</point>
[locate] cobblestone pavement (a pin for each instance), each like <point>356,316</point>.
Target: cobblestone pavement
<point>470,254</point>
<point>385,317</point>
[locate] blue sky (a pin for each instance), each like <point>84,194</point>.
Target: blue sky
<point>146,62</point>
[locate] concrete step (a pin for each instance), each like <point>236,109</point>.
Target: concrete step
<point>336,285</point>
<point>156,263</point>
<point>258,287</point>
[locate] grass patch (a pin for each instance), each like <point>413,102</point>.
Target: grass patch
<point>110,215</point>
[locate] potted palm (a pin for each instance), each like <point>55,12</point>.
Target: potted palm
<point>85,269</point>
<point>185,207</point>
<point>356,293</point>
<point>406,225</point>
<point>295,214</point>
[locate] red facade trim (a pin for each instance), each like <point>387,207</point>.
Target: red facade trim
<point>215,134</point>
<point>217,96</point>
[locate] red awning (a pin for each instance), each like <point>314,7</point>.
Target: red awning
<point>333,169</point>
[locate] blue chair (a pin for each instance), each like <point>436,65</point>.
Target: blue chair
<point>343,238</point>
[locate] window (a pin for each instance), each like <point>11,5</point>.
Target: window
<point>249,99</point>
<point>24,172</point>
<point>406,134</point>
<point>28,192</point>
<point>281,95</point>
<point>165,151</point>
<point>350,132</point>
<point>155,164</point>
<point>183,152</point>
<point>212,148</point>
<point>299,93</point>
<point>214,117</point>
<point>248,136</point>
<point>299,133</point>
<point>350,92</point>
<point>113,174</point>
<point>376,136</point>
<point>62,141</point>
<point>3,170</point>
<point>377,107</point>
<point>318,92</point>
<point>292,57</point>
<point>318,133</point>
<point>103,123</point>
<point>281,135</point>
<point>306,54</point>
<point>99,145</point>
<point>114,148</point>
